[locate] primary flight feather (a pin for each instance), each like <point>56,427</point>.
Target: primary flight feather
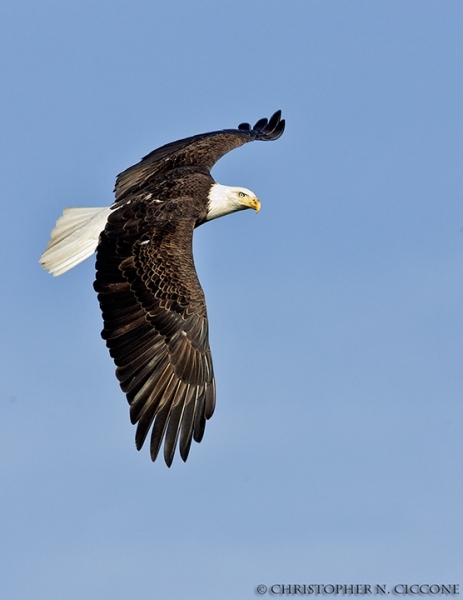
<point>153,306</point>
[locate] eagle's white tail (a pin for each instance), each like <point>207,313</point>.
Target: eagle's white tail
<point>74,238</point>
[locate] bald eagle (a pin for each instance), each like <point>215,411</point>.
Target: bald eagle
<point>153,306</point>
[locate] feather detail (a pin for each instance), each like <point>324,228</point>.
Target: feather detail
<point>74,238</point>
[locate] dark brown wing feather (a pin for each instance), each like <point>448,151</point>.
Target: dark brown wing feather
<point>155,321</point>
<point>200,151</point>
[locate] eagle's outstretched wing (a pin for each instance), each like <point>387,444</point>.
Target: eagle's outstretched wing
<point>201,151</point>
<point>155,322</point>
<point>154,312</point>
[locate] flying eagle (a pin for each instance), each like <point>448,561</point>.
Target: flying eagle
<point>154,311</point>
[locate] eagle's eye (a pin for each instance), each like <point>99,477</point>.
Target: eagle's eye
<point>241,194</point>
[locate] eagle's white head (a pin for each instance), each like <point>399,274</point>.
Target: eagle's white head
<point>224,199</point>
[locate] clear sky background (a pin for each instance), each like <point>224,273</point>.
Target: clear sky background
<point>335,453</point>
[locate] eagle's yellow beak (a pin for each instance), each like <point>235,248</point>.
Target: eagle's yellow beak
<point>252,203</point>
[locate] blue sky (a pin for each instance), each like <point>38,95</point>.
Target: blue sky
<point>335,452</point>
